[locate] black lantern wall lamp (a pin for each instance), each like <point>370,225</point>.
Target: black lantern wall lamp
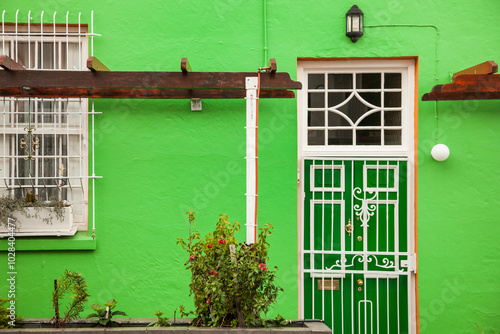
<point>354,23</point>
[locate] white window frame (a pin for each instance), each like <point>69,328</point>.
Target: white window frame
<point>405,66</point>
<point>13,34</point>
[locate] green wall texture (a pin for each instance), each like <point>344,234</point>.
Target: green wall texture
<point>158,159</point>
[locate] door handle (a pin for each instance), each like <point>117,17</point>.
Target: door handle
<point>348,227</point>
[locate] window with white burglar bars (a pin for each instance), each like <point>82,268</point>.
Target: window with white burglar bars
<point>44,141</point>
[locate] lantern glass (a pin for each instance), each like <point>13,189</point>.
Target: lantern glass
<point>355,23</point>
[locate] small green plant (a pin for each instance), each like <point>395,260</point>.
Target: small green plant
<point>182,312</point>
<point>105,315</point>
<point>279,321</point>
<point>7,320</point>
<point>9,205</point>
<point>161,322</point>
<point>230,281</point>
<point>74,282</point>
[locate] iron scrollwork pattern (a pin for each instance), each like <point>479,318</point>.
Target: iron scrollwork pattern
<point>30,143</point>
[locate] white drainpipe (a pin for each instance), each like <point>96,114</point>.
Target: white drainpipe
<point>251,85</point>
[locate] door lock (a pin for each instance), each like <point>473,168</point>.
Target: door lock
<point>348,227</point>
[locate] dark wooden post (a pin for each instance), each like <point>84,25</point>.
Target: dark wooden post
<point>56,306</point>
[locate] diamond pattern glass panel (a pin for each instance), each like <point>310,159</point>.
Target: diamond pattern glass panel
<point>362,108</point>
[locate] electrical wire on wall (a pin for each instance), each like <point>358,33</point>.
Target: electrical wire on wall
<point>436,69</point>
<point>261,69</point>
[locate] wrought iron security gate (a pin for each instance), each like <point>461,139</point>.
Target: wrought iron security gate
<point>358,259</point>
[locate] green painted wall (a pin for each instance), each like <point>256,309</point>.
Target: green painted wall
<point>159,159</point>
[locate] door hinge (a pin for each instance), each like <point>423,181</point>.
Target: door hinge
<point>411,263</point>
<point>298,175</point>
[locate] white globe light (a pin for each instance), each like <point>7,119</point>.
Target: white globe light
<point>440,152</point>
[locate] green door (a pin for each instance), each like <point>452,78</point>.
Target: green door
<point>357,259</point>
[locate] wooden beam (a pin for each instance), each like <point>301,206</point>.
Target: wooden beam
<point>467,87</point>
<point>95,65</point>
<point>272,65</point>
<point>185,66</point>
<point>488,67</point>
<point>133,93</point>
<point>145,80</point>
<point>10,64</point>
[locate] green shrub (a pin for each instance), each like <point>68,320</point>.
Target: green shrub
<point>74,282</point>
<point>230,281</point>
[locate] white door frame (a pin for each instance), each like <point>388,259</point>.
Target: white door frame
<point>405,150</point>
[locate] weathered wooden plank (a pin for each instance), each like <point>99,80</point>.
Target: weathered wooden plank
<point>95,64</point>
<point>148,80</point>
<point>488,67</point>
<point>8,63</point>
<point>133,93</point>
<point>185,66</point>
<point>467,87</point>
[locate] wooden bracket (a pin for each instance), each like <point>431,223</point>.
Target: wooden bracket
<point>185,66</point>
<point>488,67</point>
<point>95,65</point>
<point>474,83</point>
<point>10,64</point>
<point>467,87</point>
<point>272,66</point>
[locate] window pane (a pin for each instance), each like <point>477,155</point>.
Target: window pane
<point>368,137</point>
<point>335,119</point>
<point>340,81</point>
<point>6,49</point>
<point>316,137</point>
<point>372,98</point>
<point>48,56</point>
<point>368,81</point>
<point>392,80</point>
<point>316,100</point>
<point>26,111</point>
<point>316,118</point>
<point>70,60</point>
<point>392,137</point>
<point>392,99</point>
<point>335,99</point>
<point>340,137</point>
<point>48,145</point>
<point>354,109</point>
<point>316,81</point>
<point>48,168</point>
<point>371,120</point>
<point>25,54</point>
<point>46,111</point>
<point>392,118</point>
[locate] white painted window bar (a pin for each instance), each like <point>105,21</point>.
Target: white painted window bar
<point>374,265</point>
<point>53,161</point>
